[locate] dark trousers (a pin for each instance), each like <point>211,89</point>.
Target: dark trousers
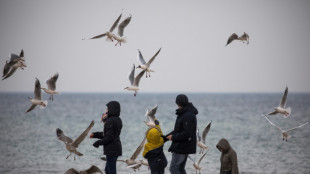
<point>158,172</point>
<point>110,165</point>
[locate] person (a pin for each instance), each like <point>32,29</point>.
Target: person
<point>229,162</point>
<point>153,150</point>
<point>110,137</point>
<point>183,136</point>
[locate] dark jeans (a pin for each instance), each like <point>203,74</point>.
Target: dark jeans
<point>226,172</point>
<point>178,162</point>
<point>158,172</point>
<point>110,165</point>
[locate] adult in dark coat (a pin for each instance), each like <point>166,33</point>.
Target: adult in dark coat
<point>183,136</point>
<point>110,137</point>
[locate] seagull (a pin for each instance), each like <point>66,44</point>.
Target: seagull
<point>201,141</point>
<point>132,159</point>
<point>150,115</point>
<point>14,63</point>
<point>71,145</point>
<point>197,164</point>
<point>134,81</point>
<point>244,38</point>
<point>135,166</point>
<point>51,85</point>
<point>144,65</point>
<point>285,132</point>
<point>37,97</point>
<point>286,112</point>
<point>92,169</point>
<point>231,38</point>
<point>109,33</point>
<point>119,37</point>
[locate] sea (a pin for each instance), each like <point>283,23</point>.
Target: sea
<point>28,141</point>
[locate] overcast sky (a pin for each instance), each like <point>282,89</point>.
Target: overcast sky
<point>192,35</point>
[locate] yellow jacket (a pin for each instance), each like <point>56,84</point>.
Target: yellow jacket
<point>154,139</point>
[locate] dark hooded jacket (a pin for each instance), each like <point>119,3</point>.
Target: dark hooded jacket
<point>228,158</point>
<point>184,133</point>
<point>110,137</point>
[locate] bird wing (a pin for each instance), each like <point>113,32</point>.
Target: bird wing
<point>122,26</point>
<point>151,113</point>
<point>138,77</point>
<point>99,36</point>
<point>272,113</point>
<point>283,100</point>
<point>140,57</point>
<point>202,156</point>
<point>273,124</point>
<point>6,68</point>
<point>298,126</point>
<point>205,132</point>
<point>115,23</point>
<point>51,83</point>
<point>231,38</point>
<point>132,75</point>
<point>31,108</point>
<point>9,74</point>
<point>14,58</point>
<point>62,137</point>
<point>37,90</point>
<point>21,53</point>
<point>138,150</point>
<point>152,59</point>
<point>83,135</point>
<point>93,169</point>
<point>72,171</point>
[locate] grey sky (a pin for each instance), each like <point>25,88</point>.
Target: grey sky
<point>192,35</point>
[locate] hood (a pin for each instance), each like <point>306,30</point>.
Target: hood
<point>114,108</point>
<point>188,108</point>
<point>154,139</point>
<point>223,144</point>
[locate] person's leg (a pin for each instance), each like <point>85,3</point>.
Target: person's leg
<point>111,164</point>
<point>106,169</point>
<point>182,165</point>
<point>177,164</point>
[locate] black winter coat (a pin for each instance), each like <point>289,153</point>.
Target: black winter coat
<point>184,133</point>
<point>110,137</point>
<point>156,159</point>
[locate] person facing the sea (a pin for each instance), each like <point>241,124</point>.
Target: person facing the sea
<point>153,150</point>
<point>229,162</point>
<point>110,137</point>
<point>183,136</point>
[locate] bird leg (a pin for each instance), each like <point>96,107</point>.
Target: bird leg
<point>68,155</point>
<point>74,157</point>
<point>135,94</point>
<point>52,97</point>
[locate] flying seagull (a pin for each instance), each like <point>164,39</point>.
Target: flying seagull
<point>132,159</point>
<point>109,33</point>
<point>119,37</point>
<point>37,97</point>
<point>286,112</point>
<point>150,115</point>
<point>197,164</point>
<point>15,62</point>
<point>201,141</point>
<point>144,65</point>
<point>285,132</point>
<point>51,86</point>
<point>71,145</point>
<point>92,169</point>
<point>134,81</point>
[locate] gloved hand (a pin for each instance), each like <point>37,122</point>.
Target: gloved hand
<point>165,138</point>
<point>97,143</point>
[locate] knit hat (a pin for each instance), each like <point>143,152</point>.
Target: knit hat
<point>181,100</point>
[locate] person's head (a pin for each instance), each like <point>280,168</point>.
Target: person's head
<point>223,145</point>
<point>181,100</point>
<point>113,108</point>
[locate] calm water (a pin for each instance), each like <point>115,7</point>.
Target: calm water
<point>28,143</point>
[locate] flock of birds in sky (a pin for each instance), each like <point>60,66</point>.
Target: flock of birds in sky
<point>18,61</point>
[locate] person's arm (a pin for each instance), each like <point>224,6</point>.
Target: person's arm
<point>98,135</point>
<point>234,161</point>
